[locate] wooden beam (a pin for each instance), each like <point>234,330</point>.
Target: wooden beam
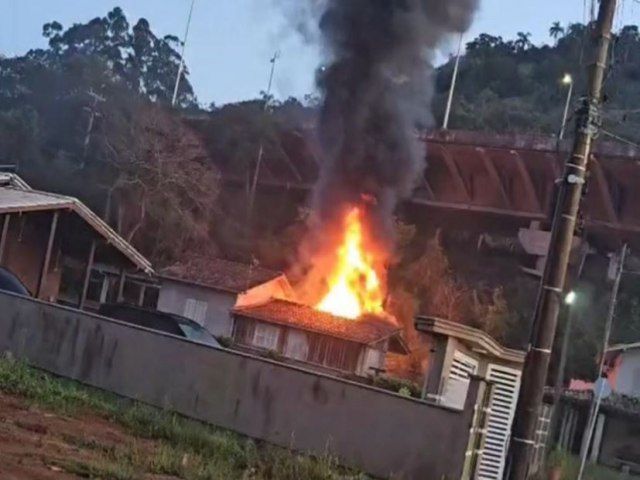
<point>4,235</point>
<point>143,289</point>
<point>605,192</point>
<point>44,271</point>
<point>87,275</point>
<point>454,170</point>
<point>529,187</point>
<point>495,176</point>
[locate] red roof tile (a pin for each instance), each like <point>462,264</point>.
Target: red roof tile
<point>366,330</point>
<point>219,274</point>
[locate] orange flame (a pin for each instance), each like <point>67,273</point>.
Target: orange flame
<point>354,285</point>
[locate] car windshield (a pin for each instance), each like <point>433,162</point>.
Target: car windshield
<point>195,332</point>
<point>9,282</point>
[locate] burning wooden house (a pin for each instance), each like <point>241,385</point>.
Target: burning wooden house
<point>319,339</point>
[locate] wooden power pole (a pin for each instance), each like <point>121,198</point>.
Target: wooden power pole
<point>562,232</point>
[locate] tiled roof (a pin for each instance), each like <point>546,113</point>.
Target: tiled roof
<point>218,274</point>
<point>615,403</point>
<point>367,330</point>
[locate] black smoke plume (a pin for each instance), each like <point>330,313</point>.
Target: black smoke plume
<point>377,87</point>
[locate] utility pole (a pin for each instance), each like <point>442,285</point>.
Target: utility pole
<point>545,320</point>
<point>184,48</point>
<point>256,172</point>
<point>595,404</point>
<point>454,80</point>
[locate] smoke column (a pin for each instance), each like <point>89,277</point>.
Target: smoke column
<point>377,87</point>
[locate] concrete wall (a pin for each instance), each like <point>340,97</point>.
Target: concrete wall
<point>621,437</point>
<point>379,432</point>
<point>173,297</point>
<point>628,374</point>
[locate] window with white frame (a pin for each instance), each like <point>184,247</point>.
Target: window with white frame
<point>196,310</point>
<point>266,336</point>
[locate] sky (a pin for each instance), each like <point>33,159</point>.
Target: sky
<point>231,41</point>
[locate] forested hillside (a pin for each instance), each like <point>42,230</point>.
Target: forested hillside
<point>515,86</point>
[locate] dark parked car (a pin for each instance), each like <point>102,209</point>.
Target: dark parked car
<point>160,321</point>
<point>9,282</point>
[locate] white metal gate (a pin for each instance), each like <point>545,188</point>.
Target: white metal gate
<point>454,393</point>
<point>502,409</point>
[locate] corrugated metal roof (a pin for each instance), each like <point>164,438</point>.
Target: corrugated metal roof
<point>13,180</point>
<point>16,200</point>
<point>17,197</point>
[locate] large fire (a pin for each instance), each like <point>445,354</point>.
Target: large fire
<point>355,288</point>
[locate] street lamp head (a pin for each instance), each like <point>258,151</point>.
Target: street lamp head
<point>567,79</point>
<point>570,298</point>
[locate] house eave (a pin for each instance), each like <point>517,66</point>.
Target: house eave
<point>479,340</point>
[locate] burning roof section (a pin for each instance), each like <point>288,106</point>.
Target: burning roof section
<point>367,330</point>
<point>219,274</point>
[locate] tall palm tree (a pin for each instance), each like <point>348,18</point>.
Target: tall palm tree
<point>556,31</point>
<point>523,42</point>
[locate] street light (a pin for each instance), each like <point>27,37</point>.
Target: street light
<point>570,298</point>
<point>568,81</point>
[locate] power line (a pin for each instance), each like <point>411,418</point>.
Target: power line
<point>184,49</point>
<point>619,138</point>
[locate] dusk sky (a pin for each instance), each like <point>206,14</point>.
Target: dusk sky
<point>231,41</point>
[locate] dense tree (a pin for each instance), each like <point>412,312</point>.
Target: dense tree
<point>88,116</point>
<point>556,30</point>
<point>514,86</point>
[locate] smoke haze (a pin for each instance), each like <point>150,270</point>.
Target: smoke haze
<point>377,87</point>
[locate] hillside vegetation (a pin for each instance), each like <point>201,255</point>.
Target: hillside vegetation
<point>90,116</point>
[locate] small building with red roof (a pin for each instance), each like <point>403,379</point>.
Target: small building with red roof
<point>206,289</point>
<point>302,334</point>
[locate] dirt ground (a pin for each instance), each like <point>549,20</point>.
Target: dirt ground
<point>38,445</point>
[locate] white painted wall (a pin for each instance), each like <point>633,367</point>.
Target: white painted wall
<point>628,380</point>
<point>173,298</point>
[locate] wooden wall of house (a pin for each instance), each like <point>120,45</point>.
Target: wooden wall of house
<point>25,250</point>
<point>326,351</point>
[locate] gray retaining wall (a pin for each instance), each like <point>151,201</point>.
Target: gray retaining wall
<point>373,430</point>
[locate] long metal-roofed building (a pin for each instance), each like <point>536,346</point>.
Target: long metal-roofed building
<point>57,246</point>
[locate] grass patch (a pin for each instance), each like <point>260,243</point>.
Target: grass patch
<point>102,470</point>
<point>570,466</point>
<point>187,449</point>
